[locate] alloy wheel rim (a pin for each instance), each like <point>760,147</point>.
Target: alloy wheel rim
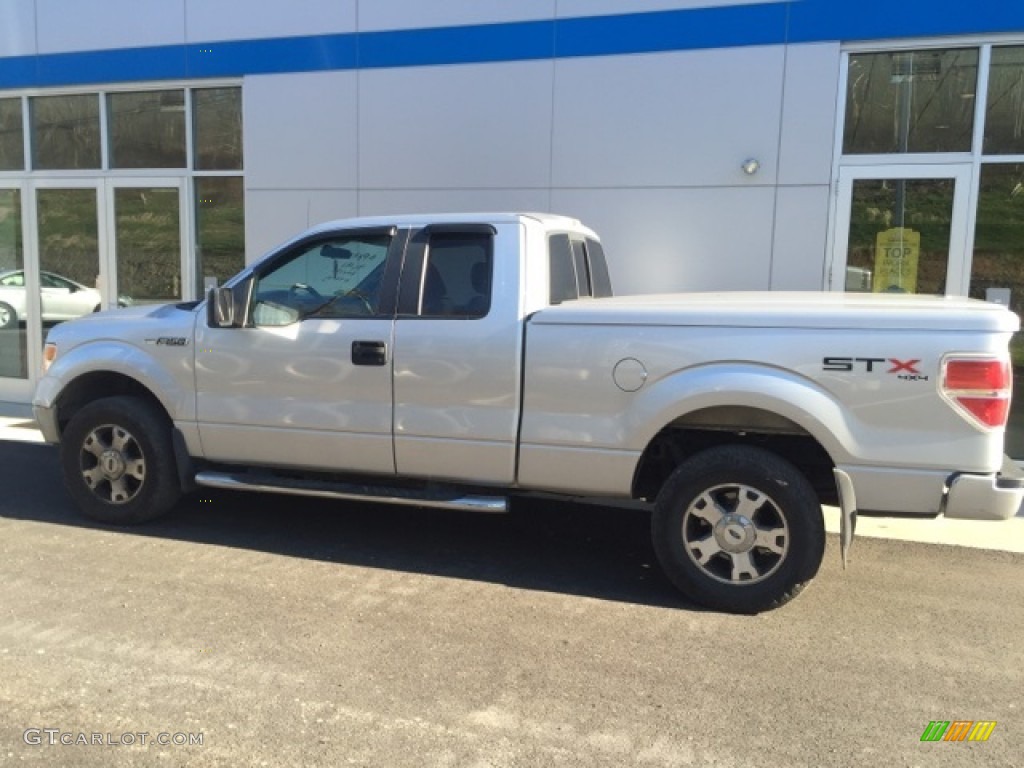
<point>112,464</point>
<point>735,534</point>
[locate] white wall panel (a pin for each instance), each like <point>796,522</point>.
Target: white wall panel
<point>85,25</point>
<point>18,28</point>
<point>246,19</point>
<point>663,240</point>
<point>809,113</point>
<point>671,119</point>
<point>272,217</point>
<point>300,131</point>
<point>455,127</point>
<point>452,200</point>
<point>569,8</point>
<point>412,14</point>
<point>801,229</point>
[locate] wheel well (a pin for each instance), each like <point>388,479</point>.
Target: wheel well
<point>93,386</point>
<point>712,427</point>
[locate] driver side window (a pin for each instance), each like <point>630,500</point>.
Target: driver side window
<point>332,277</point>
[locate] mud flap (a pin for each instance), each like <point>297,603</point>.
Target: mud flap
<point>847,513</point>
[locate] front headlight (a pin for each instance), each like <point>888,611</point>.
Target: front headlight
<point>49,355</point>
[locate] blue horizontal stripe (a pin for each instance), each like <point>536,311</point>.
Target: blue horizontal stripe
<point>792,21</point>
<point>723,27</point>
<point>518,41</point>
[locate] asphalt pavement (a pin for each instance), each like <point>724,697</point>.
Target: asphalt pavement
<point>284,632</point>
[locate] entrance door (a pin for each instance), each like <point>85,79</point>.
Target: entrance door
<point>14,353</point>
<point>146,262</point>
<point>69,247</point>
<point>902,229</point>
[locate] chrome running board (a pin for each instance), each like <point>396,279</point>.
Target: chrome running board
<point>435,498</point>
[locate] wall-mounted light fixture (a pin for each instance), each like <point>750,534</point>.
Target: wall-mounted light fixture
<point>751,166</point>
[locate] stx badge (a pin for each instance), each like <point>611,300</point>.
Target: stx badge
<point>905,370</point>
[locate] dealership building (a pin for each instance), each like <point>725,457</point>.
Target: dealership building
<point>151,147</point>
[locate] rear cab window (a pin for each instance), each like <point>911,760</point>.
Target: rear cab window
<point>449,273</point>
<point>577,268</point>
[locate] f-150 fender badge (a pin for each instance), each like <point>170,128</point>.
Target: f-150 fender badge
<point>904,370</point>
<point>169,341</point>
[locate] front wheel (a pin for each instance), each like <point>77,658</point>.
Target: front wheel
<point>118,461</point>
<point>738,529</point>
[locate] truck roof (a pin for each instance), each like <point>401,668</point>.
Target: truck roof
<point>549,220</point>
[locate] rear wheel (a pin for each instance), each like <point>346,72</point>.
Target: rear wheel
<point>118,461</point>
<point>738,529</point>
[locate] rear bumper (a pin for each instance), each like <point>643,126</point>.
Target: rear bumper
<point>986,497</point>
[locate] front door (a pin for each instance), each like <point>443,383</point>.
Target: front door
<point>902,229</point>
<point>307,380</point>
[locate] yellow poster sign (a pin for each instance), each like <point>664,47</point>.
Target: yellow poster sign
<point>896,253</point>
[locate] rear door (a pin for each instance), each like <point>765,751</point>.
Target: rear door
<point>458,347</point>
<point>307,381</point>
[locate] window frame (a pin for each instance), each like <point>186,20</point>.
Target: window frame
<point>411,291</point>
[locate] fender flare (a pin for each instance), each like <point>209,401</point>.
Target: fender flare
<point>117,357</point>
<point>749,385</point>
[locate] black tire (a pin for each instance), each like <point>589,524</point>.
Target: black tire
<point>738,529</point>
<point>8,317</point>
<point>118,461</point>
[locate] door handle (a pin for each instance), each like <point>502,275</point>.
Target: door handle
<point>369,353</point>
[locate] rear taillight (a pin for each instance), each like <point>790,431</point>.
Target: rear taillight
<point>979,387</point>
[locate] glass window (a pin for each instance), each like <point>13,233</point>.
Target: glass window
<point>1004,110</point>
<point>12,136</point>
<point>147,129</point>
<point>220,228</point>
<point>68,253</point>
<point>562,272</point>
<point>13,345</point>
<point>910,101</point>
<point>147,234</point>
<point>997,269</point>
<point>337,277</point>
<point>217,117</point>
<point>457,276</point>
<point>65,132</point>
<point>999,235</point>
<point>599,269</point>
<point>899,235</point>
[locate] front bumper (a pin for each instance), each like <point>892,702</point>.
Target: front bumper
<point>986,497</point>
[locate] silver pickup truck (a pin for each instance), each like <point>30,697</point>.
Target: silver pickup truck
<point>458,360</point>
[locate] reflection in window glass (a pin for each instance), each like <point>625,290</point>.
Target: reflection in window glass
<point>217,115</point>
<point>65,132</point>
<point>68,253</point>
<point>13,346</point>
<point>899,235</point>
<point>997,269</point>
<point>148,242</point>
<point>910,101</point>
<point>220,228</point>
<point>339,277</point>
<point>12,136</point>
<point>147,129</point>
<point>1004,112</point>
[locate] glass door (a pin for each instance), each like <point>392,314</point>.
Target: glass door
<point>148,263</point>
<point>14,362</point>
<point>70,247</point>
<point>902,229</point>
